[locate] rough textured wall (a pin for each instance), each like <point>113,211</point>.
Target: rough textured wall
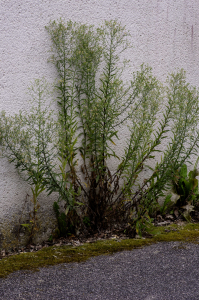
<point>165,34</point>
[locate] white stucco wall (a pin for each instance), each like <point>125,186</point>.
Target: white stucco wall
<point>165,34</point>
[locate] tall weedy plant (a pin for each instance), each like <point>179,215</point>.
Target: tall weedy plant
<point>72,154</point>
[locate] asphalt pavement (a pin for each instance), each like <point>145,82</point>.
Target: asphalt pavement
<point>162,271</point>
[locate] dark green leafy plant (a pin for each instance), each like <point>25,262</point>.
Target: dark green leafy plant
<point>72,153</point>
<point>186,186</point>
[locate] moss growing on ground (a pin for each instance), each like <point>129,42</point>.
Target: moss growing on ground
<point>67,254</point>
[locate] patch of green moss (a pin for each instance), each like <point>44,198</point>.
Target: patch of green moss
<point>185,233</point>
<point>67,254</point>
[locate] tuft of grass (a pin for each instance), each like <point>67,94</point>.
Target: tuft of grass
<point>67,254</point>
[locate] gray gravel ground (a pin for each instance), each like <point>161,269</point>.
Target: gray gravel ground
<point>161,271</point>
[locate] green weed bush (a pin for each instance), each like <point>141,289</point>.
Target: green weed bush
<point>71,152</point>
<point>186,185</point>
